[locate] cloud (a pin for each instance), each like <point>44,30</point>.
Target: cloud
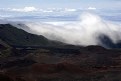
<point>25,9</point>
<point>91,8</point>
<point>70,10</point>
<point>46,10</point>
<point>84,32</point>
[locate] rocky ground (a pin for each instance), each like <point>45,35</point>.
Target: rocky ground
<point>92,63</point>
<point>21,59</point>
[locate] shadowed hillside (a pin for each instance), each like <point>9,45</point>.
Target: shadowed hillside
<point>15,36</point>
<point>28,57</point>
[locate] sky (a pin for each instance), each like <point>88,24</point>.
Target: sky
<point>108,4</point>
<point>58,9</point>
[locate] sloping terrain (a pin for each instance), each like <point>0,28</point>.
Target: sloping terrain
<point>19,37</point>
<point>92,63</point>
<point>53,62</point>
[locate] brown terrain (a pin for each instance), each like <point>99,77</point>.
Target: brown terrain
<point>93,63</point>
<point>57,62</point>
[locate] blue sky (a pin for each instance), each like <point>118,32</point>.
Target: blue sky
<point>112,4</point>
<point>67,9</point>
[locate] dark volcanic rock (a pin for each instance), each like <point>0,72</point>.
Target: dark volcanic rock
<point>106,41</point>
<point>19,37</point>
<point>2,47</point>
<point>18,62</point>
<point>5,78</point>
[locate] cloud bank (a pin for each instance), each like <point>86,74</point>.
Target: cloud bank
<point>34,9</point>
<point>25,9</point>
<point>91,8</point>
<point>84,32</point>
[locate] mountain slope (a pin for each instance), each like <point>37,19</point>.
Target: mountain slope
<point>15,36</point>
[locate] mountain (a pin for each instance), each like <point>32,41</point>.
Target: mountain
<point>56,61</point>
<point>15,36</point>
<point>105,41</point>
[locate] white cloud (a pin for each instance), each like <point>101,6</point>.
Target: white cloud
<point>47,11</point>
<point>70,10</point>
<point>33,9</point>
<point>25,9</point>
<point>91,8</point>
<point>84,32</point>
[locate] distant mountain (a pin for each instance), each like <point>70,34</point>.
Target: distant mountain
<point>106,42</point>
<point>15,36</point>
